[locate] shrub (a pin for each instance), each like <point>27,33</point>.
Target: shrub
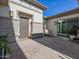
<point>4,44</point>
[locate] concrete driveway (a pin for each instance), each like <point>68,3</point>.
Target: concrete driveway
<point>45,48</point>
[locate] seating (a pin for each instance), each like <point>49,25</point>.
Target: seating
<point>71,37</point>
<point>77,37</point>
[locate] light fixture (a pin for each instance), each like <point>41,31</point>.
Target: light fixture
<point>11,13</point>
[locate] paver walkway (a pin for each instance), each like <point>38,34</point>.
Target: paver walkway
<point>45,48</point>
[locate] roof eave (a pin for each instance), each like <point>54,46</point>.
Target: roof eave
<point>38,4</point>
<point>64,13</point>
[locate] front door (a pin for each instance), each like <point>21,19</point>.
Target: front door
<point>24,27</point>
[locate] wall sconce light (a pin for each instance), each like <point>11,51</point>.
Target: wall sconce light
<point>11,13</point>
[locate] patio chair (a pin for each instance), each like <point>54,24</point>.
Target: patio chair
<point>77,37</point>
<point>71,37</point>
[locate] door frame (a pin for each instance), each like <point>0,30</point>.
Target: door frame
<point>21,18</point>
<point>25,15</point>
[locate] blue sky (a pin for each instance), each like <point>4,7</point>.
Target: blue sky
<point>58,6</point>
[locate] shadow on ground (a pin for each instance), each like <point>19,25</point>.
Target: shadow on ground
<point>65,47</point>
<point>6,27</point>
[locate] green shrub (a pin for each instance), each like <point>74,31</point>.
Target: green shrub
<point>4,44</point>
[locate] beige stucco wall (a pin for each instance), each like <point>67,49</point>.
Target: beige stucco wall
<point>7,28</point>
<point>36,17</point>
<point>37,27</point>
<point>17,6</point>
<point>52,26</point>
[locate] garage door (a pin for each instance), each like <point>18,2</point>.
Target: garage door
<point>24,27</point>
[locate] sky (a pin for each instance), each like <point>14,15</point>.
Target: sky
<point>58,6</point>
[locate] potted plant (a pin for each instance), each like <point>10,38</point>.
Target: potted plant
<point>4,44</point>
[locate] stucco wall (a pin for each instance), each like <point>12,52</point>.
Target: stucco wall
<point>37,27</point>
<point>4,11</point>
<point>36,17</point>
<point>7,28</point>
<point>52,26</point>
<point>17,6</point>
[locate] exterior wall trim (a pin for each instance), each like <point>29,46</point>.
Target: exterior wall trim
<point>38,4</point>
<point>25,6</point>
<point>36,22</point>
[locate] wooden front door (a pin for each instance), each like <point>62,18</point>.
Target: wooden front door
<point>24,27</point>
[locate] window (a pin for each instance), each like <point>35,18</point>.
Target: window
<point>65,26</point>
